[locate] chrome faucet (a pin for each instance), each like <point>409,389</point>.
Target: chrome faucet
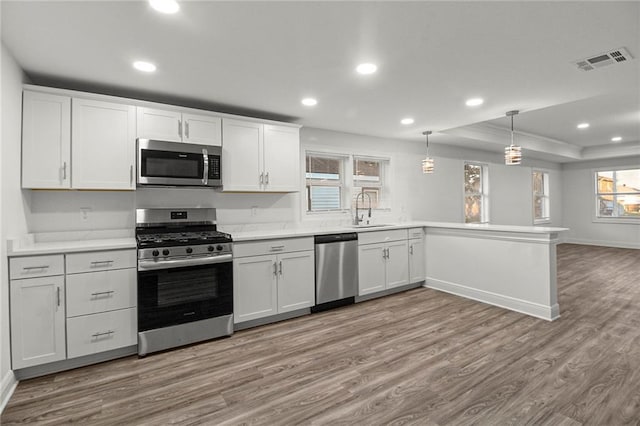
<point>357,219</point>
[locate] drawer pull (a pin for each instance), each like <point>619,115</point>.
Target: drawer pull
<point>277,248</point>
<point>102,293</point>
<point>103,333</point>
<point>29,268</point>
<point>101,262</point>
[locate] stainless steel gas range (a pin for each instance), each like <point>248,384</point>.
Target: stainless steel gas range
<point>185,278</point>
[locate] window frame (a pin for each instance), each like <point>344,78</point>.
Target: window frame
<point>484,192</point>
<point>545,194</point>
<point>341,183</point>
<point>595,194</point>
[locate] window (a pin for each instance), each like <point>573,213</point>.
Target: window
<point>476,205</point>
<point>618,194</point>
<point>541,197</point>
<point>368,179</point>
<point>328,189</point>
<point>325,183</point>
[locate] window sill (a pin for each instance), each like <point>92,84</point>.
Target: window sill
<point>542,222</point>
<point>619,220</point>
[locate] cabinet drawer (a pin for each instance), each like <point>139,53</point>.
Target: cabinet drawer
<point>36,266</point>
<point>90,334</point>
<point>415,233</point>
<point>257,248</point>
<point>100,261</point>
<point>95,292</point>
<point>381,236</point>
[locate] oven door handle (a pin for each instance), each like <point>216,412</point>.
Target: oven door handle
<point>150,265</point>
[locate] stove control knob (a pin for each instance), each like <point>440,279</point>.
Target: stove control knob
<point>155,253</point>
<point>219,248</point>
<point>165,252</point>
<point>210,248</point>
<point>189,250</point>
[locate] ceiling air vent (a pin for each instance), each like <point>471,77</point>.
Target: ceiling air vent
<point>604,59</point>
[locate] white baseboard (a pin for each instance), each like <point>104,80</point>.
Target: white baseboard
<point>604,243</point>
<point>7,386</point>
<point>537,310</point>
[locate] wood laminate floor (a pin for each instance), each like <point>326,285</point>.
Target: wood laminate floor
<point>418,357</point>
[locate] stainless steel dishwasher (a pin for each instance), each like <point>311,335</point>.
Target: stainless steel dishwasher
<point>336,270</point>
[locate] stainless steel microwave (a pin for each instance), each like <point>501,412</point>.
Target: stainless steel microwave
<point>162,163</point>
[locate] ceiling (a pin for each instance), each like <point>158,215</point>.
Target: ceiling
<point>261,58</point>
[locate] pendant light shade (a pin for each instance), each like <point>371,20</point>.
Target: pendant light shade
<point>512,153</point>
<point>427,163</point>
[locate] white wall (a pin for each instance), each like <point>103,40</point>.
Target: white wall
<point>579,207</point>
<point>12,206</point>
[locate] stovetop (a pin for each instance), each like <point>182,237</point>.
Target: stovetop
<point>164,238</point>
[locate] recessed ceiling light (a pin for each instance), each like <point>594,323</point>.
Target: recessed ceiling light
<point>474,101</point>
<point>366,68</point>
<point>582,125</point>
<point>144,66</point>
<point>309,102</point>
<point>407,121</point>
<point>616,139</point>
<point>165,6</point>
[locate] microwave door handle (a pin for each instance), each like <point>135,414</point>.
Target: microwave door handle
<point>205,172</point>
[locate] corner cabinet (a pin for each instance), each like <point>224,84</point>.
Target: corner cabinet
<point>383,258</point>
<point>272,277</point>
<point>73,143</point>
<point>176,126</point>
<point>259,157</point>
<point>103,139</point>
<point>46,141</point>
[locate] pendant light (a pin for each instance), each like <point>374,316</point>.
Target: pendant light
<point>512,153</point>
<point>427,163</point>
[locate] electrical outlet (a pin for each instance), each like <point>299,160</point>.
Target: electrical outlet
<point>84,213</point>
<point>254,210</point>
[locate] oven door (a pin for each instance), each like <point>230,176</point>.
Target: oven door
<point>177,164</point>
<point>178,295</point>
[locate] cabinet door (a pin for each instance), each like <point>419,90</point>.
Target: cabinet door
<point>90,334</point>
<point>417,270</point>
<point>95,292</point>
<point>371,269</point>
<point>281,158</point>
<point>255,293</point>
<point>103,152</point>
<point>242,168</point>
<point>37,321</point>
<point>296,281</point>
<point>397,263</point>
<point>159,124</point>
<point>202,129</point>
<point>46,141</point>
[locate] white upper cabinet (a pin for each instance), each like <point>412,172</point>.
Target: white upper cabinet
<point>103,135</point>
<point>260,157</point>
<point>174,126</point>
<point>46,141</point>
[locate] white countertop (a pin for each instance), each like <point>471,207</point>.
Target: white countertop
<point>257,234</point>
<point>70,242</point>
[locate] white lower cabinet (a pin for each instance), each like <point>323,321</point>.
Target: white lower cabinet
<point>417,260</point>
<point>37,321</point>
<point>58,317</point>
<point>383,259</point>
<point>265,283</point>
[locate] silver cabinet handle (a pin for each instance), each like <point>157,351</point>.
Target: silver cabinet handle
<point>280,267</point>
<point>58,296</point>
<point>98,263</point>
<point>266,179</point>
<point>205,166</point>
<point>261,178</point>
<point>28,268</point>
<point>411,249</point>
<point>103,333</point>
<point>277,248</point>
<point>179,129</point>
<point>186,129</point>
<point>102,293</point>
<point>64,171</point>
<point>275,268</point>
<point>131,175</point>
